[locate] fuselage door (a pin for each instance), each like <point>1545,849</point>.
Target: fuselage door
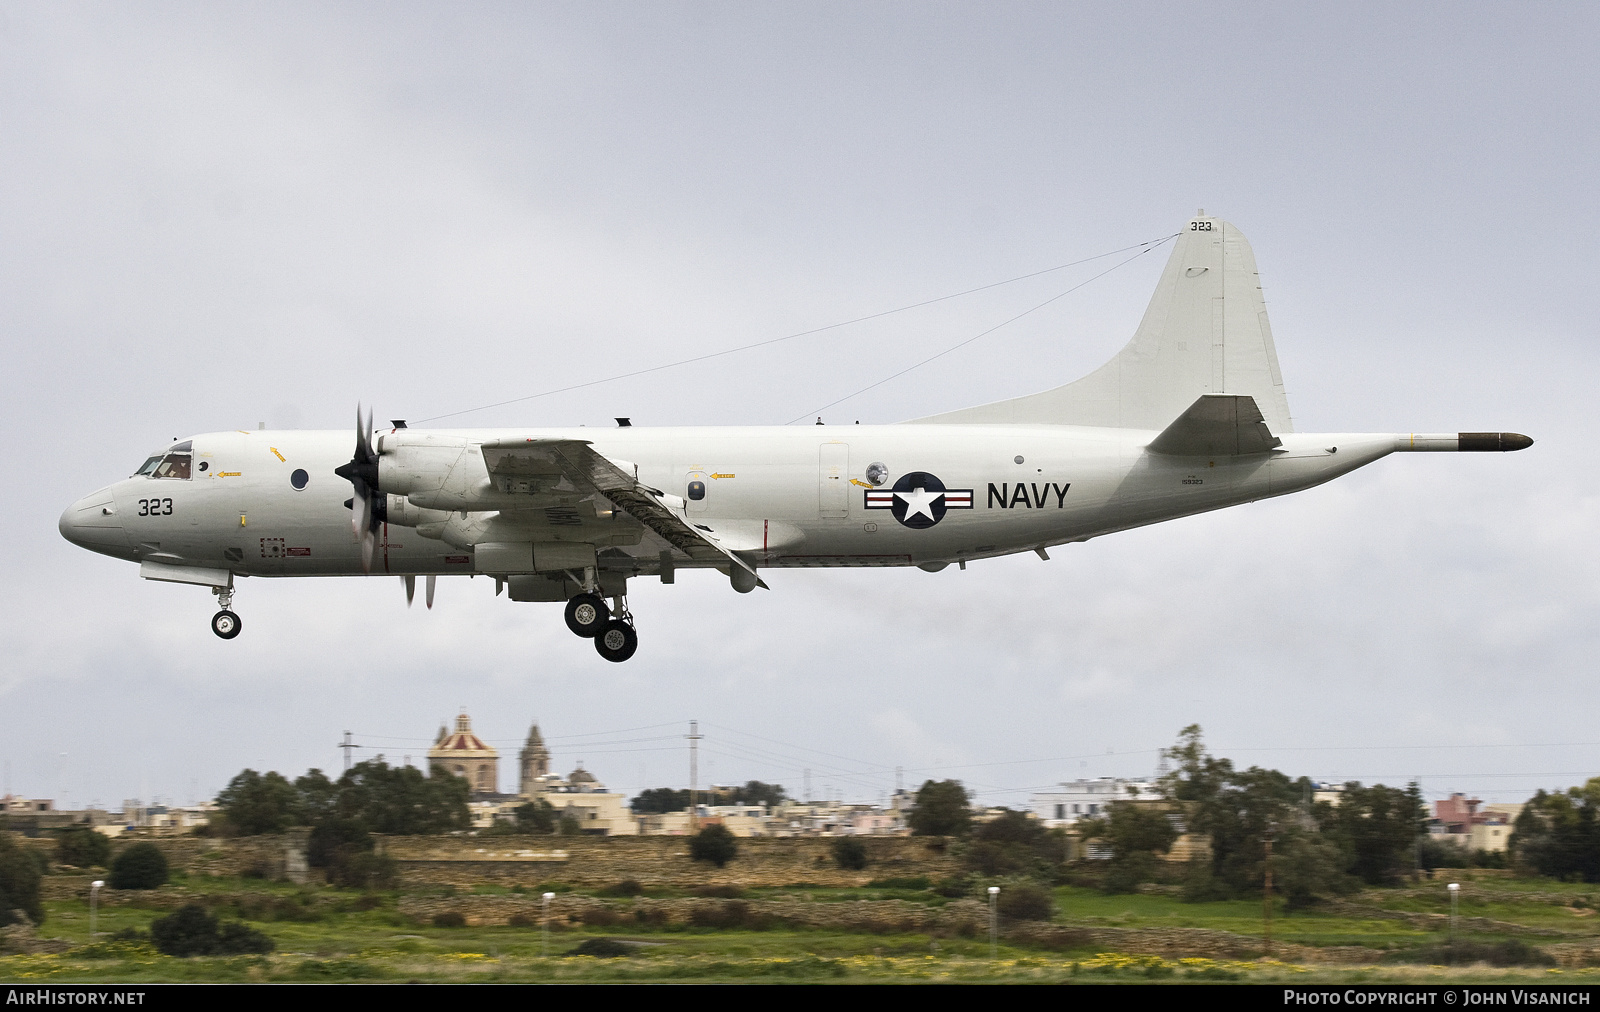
<point>833,493</point>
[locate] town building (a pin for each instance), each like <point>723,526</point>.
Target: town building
<point>1086,799</point>
<point>1458,820</point>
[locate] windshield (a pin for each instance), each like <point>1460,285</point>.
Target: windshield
<point>173,465</point>
<point>149,466</point>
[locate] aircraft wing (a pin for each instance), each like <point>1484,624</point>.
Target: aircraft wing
<point>1217,425</point>
<point>575,461</point>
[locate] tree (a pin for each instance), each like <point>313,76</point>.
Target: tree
<point>848,853</point>
<point>19,883</point>
<point>255,803</point>
<point>1136,833</point>
<point>1236,808</point>
<point>941,810</point>
<point>82,847</point>
<point>660,800</point>
<point>141,866</point>
<point>400,801</point>
<point>1014,843</point>
<point>1308,866</point>
<point>536,817</point>
<point>318,797</point>
<point>1376,829</point>
<point>1559,834</point>
<point>715,844</point>
<point>754,792</point>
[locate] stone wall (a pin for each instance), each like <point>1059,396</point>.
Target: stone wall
<point>655,861</point>
<point>584,861</point>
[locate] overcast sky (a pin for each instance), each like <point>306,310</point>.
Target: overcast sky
<point>218,215</point>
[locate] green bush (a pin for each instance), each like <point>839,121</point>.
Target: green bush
<point>192,931</point>
<point>82,847</point>
<point>1025,901</point>
<point>141,866</point>
<point>1511,952</point>
<point>627,887</point>
<point>449,919</point>
<point>715,844</point>
<point>19,882</point>
<point>849,853</point>
<point>604,948</point>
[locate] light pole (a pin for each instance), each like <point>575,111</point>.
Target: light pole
<point>1266,890</point>
<point>94,904</point>
<point>545,930</point>
<point>1455,900</point>
<point>994,922</point>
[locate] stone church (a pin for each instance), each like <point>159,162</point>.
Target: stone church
<point>466,755</point>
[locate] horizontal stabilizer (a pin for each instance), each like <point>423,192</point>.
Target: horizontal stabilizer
<point>1217,425</point>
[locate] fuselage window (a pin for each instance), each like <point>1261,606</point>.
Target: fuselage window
<point>697,490</point>
<point>173,465</point>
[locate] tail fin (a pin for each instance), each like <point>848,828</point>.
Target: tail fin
<point>1205,332</point>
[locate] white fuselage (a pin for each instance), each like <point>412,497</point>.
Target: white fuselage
<point>777,496</point>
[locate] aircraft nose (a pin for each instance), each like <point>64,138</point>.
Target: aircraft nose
<point>93,523</point>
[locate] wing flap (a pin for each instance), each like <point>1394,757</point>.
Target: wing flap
<point>1217,425</point>
<point>577,462</point>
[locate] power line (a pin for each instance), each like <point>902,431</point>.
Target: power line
<point>1144,247</point>
<point>963,344</point>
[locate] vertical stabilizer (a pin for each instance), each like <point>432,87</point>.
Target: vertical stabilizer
<point>1205,332</point>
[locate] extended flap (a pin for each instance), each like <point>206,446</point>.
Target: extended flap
<point>1217,425</point>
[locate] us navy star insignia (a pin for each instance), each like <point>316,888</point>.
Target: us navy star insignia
<point>918,500</point>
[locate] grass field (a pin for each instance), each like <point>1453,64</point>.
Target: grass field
<point>327,934</point>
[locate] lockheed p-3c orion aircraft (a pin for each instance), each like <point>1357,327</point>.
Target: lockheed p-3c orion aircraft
<point>1190,416</point>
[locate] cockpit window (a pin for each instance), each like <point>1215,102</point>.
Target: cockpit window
<point>149,466</point>
<point>173,465</point>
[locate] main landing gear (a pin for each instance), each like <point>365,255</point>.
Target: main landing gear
<point>610,628</point>
<point>225,623</point>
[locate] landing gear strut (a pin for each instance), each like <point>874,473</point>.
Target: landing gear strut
<point>225,623</point>
<point>617,640</point>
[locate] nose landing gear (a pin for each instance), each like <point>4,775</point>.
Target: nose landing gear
<point>225,623</point>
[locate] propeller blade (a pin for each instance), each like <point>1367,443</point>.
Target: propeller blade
<point>361,511</point>
<point>369,541</point>
<point>428,589</point>
<point>411,588</point>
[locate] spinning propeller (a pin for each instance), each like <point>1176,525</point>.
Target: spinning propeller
<point>369,505</point>
<point>411,588</point>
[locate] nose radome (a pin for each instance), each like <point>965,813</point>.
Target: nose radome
<point>92,522</point>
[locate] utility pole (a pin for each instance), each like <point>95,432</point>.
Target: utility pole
<point>347,746</point>
<point>694,772</point>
